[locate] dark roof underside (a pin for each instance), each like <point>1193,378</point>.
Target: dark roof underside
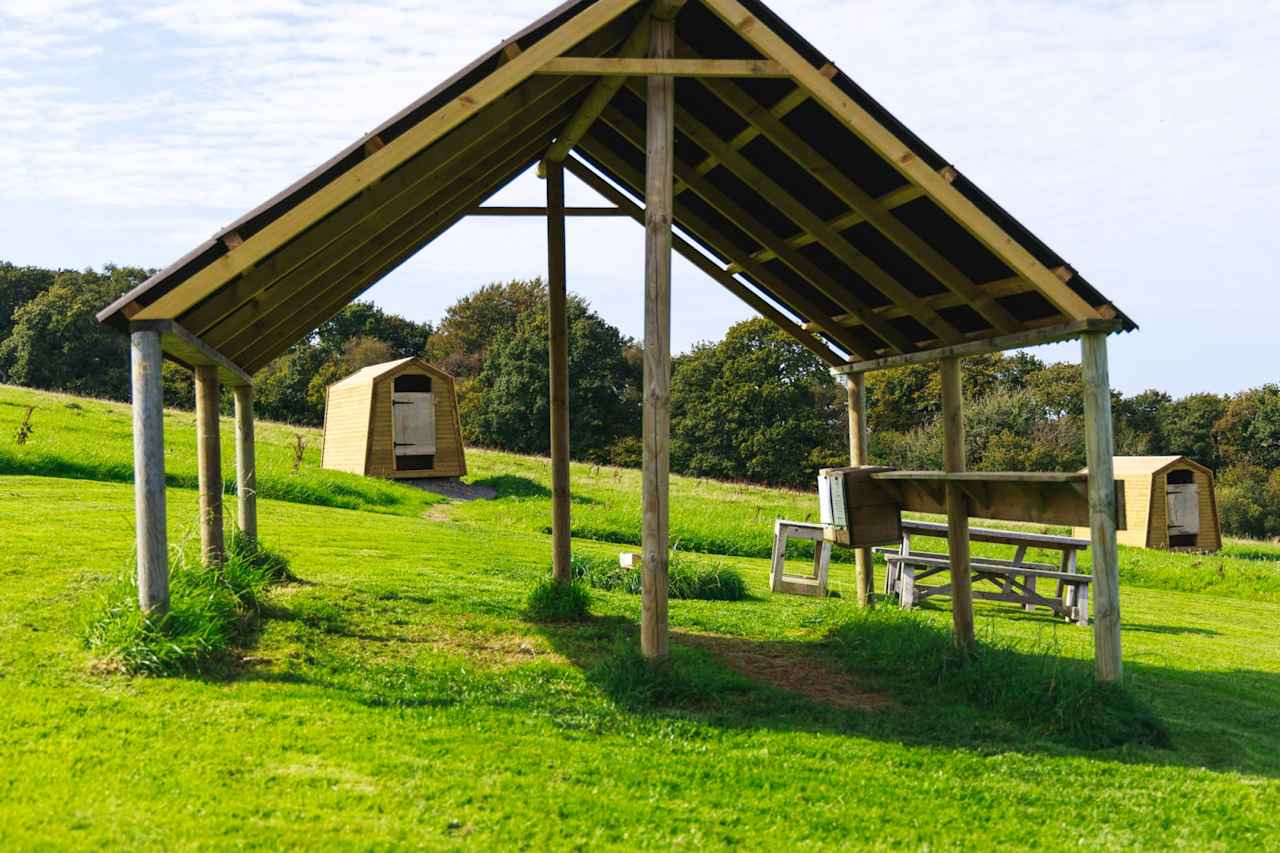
<point>746,194</point>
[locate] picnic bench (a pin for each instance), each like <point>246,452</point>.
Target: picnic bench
<point>1016,580</point>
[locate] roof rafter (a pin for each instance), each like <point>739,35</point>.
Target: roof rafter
<point>712,237</point>
<point>259,341</point>
<point>901,157</point>
<point>862,202</point>
<point>763,235</point>
<point>798,212</point>
<point>707,265</point>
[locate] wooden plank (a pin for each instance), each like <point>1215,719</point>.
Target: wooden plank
<point>800,213</point>
<point>762,234</point>
<point>396,152</point>
<point>656,414</point>
<point>558,349</point>
<point>265,338</point>
<point>899,155</point>
<point>844,188</point>
<point>580,66</point>
<point>718,242</point>
<point>957,504</point>
<point>992,289</point>
<point>864,566</point>
<point>246,466</point>
<point>209,464</point>
<point>1099,449</point>
<point>713,270</point>
<point>146,365</point>
<point>190,350</point>
<point>1031,338</point>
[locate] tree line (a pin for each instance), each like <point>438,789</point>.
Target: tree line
<point>753,405</point>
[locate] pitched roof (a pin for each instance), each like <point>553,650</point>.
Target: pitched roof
<point>375,371</point>
<point>1139,465</point>
<point>801,194</point>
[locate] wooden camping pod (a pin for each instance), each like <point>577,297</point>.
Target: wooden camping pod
<point>1149,482</point>
<point>364,435</point>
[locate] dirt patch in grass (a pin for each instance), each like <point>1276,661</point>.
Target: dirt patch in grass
<point>782,666</point>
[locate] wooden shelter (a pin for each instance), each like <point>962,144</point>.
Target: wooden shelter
<point>1169,503</point>
<point>397,420</point>
<point>786,182</point>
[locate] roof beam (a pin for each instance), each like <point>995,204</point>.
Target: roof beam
<point>722,245</point>
<point>351,226</point>
<point>707,265</point>
<point>808,158</point>
<point>264,328</point>
<point>993,290</point>
<point>762,234</point>
<point>644,67</point>
<point>395,153</point>
<point>180,344</point>
<point>800,213</point>
<point>1018,340</point>
<point>901,157</point>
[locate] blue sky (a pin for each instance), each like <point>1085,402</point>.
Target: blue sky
<point>1139,139</point>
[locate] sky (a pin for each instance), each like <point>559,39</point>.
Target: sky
<point>1138,139</point>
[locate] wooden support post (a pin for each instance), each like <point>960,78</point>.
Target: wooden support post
<point>1099,448</point>
<point>558,325</point>
<point>856,385</point>
<point>148,472</point>
<point>656,420</point>
<point>957,503</point>
<point>209,463</point>
<point>246,469</point>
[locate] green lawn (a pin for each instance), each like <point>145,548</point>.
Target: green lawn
<point>395,696</point>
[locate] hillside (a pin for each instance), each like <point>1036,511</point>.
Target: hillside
<point>396,695</point>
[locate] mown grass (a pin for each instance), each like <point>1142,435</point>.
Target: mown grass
<point>86,439</point>
<point>398,698</point>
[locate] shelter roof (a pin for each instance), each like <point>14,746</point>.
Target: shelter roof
<point>798,191</point>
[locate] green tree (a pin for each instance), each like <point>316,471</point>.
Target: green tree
<point>1188,427</point>
<point>1139,423</point>
<point>403,338</point>
<point>1248,433</point>
<point>510,399</point>
<point>18,286</point>
<point>56,341</point>
<point>754,406</point>
<point>473,323</point>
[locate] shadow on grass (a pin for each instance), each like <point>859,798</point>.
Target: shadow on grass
<point>884,676</point>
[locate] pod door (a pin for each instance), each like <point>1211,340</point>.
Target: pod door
<point>1183,500</point>
<point>413,422</point>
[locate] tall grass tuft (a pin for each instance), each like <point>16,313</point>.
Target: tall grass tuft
<point>552,601</point>
<point>1034,687</point>
<point>687,577</point>
<point>212,609</point>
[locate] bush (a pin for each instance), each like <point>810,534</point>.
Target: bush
<point>552,601</point>
<point>1035,688</point>
<point>1249,501</point>
<point>211,609</point>
<point>685,578</point>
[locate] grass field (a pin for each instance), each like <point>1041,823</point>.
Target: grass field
<point>395,695</point>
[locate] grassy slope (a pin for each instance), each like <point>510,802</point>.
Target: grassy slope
<point>397,697</point>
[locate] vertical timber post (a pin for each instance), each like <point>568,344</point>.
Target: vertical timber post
<point>656,419</point>
<point>957,503</point>
<point>148,471</point>
<point>558,326</point>
<point>246,469</point>
<point>209,463</point>
<point>856,385</point>
<point>1099,447</point>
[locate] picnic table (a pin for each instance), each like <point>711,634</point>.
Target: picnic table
<point>1015,580</point>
